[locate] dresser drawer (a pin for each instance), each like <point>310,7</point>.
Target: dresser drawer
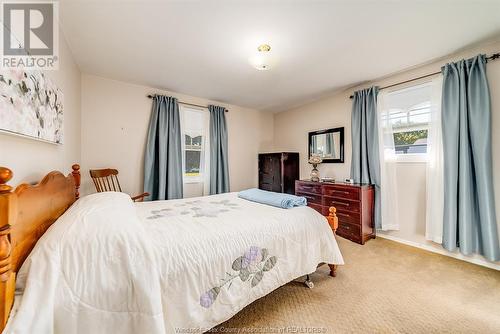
<point>308,188</point>
<point>347,192</point>
<point>349,217</point>
<point>311,198</point>
<point>349,231</point>
<point>342,204</point>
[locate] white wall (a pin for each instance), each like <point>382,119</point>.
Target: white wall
<point>115,118</point>
<point>30,159</point>
<point>291,128</point>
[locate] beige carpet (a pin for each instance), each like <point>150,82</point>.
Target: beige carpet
<point>385,287</point>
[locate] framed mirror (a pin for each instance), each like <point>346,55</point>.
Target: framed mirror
<point>329,144</point>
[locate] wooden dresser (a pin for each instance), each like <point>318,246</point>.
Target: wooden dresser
<point>278,171</point>
<point>354,203</point>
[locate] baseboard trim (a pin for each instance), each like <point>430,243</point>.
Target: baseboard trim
<point>444,252</point>
<point>393,227</point>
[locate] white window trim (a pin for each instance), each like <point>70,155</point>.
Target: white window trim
<point>412,158</point>
<point>192,179</point>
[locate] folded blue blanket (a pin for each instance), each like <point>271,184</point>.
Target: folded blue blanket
<point>279,200</point>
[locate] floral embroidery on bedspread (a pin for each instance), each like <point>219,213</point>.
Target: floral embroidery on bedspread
<point>249,267</point>
<point>195,209</point>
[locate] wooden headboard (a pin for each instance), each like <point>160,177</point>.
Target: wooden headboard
<point>25,214</point>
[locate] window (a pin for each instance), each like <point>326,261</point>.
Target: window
<point>194,124</point>
<point>192,155</point>
<point>405,117</point>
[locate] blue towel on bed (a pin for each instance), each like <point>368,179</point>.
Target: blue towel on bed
<point>279,200</point>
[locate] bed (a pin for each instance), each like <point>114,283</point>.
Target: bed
<point>111,265</point>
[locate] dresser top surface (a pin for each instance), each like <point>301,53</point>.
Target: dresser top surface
<point>326,183</point>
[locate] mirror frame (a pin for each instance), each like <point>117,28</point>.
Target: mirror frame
<point>320,132</point>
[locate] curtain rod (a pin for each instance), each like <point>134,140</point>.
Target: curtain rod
<point>186,104</point>
<point>492,57</point>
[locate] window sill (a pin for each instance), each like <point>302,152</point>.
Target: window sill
<point>192,181</point>
<point>412,158</point>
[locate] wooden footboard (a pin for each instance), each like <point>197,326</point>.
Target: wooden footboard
<point>333,221</point>
<point>25,214</point>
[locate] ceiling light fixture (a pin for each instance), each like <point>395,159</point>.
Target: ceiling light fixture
<point>262,60</point>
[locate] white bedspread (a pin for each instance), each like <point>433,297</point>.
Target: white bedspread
<point>111,266</point>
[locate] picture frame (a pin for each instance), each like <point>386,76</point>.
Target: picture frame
<point>335,133</point>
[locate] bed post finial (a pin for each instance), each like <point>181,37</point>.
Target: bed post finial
<point>5,176</point>
<point>333,220</point>
<point>77,177</point>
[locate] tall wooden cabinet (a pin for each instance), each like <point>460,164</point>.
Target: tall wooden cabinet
<point>278,171</point>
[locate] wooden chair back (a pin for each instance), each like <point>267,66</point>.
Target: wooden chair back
<point>105,179</point>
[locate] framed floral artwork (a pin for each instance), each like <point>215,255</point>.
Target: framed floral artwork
<point>31,106</point>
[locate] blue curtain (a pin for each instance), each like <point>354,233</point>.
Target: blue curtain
<point>365,161</point>
<point>469,206</point>
<point>219,172</point>
<point>163,157</point>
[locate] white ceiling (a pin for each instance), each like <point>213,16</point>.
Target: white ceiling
<point>201,48</point>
